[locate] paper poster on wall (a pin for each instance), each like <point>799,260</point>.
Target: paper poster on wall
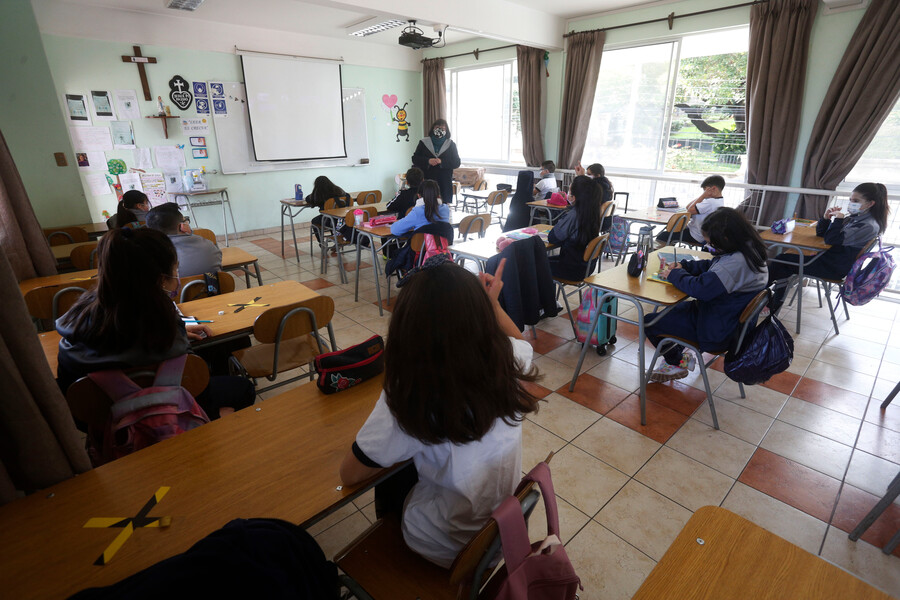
<point>202,106</point>
<point>180,92</point>
<point>216,90</point>
<point>154,185</point>
<point>174,183</point>
<point>191,127</point>
<point>169,158</point>
<point>127,104</point>
<point>131,181</point>
<point>122,134</point>
<point>220,109</point>
<point>101,102</point>
<point>76,109</point>
<point>198,141</point>
<point>90,139</point>
<point>199,153</point>
<point>200,90</point>
<point>142,159</point>
<point>97,184</point>
<point>90,161</point>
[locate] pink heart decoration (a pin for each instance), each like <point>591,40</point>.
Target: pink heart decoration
<point>389,101</point>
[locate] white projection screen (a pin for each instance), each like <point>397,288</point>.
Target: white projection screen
<point>295,108</point>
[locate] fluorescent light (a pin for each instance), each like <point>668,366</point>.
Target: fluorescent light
<point>374,25</point>
<point>190,5</point>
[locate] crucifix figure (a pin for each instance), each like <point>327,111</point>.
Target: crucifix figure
<point>141,61</point>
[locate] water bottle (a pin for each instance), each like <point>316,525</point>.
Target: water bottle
<point>298,192</point>
<point>358,217</point>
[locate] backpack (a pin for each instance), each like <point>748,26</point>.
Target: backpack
<point>618,233</point>
<point>767,351</point>
<point>432,246</point>
<point>140,417</point>
<point>868,276</point>
<point>539,571</point>
<point>605,332</point>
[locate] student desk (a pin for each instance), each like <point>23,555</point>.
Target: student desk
<point>721,555</point>
<point>802,241</point>
<point>482,249</point>
<point>287,210</point>
<point>75,277</point>
<point>50,345</point>
<point>211,197</point>
<point>94,230</point>
<point>277,459</point>
<point>61,253</point>
<point>648,216</point>
<point>551,209</point>
<point>330,219</point>
<point>235,259</point>
<point>616,283</point>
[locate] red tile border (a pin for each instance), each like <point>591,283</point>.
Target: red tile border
<point>784,382</point>
<point>598,395</point>
<point>677,396</point>
<point>536,389</point>
<point>662,422</point>
<point>545,342</point>
<point>832,397</point>
<point>854,504</point>
<point>317,284</point>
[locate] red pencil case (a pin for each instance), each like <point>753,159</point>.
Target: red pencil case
<point>377,221</point>
<point>343,369</point>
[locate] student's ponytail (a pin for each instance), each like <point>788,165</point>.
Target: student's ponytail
<point>877,193</point>
<point>430,192</point>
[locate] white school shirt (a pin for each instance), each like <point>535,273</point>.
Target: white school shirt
<point>703,208</point>
<point>547,184</point>
<point>459,485</point>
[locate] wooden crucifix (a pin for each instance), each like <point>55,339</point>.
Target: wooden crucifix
<point>141,61</point>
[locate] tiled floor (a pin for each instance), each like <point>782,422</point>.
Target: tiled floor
<point>805,455</point>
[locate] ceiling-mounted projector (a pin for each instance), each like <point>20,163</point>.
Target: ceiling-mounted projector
<point>413,37</point>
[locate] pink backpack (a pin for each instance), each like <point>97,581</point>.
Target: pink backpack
<point>140,417</point>
<point>868,276</point>
<point>433,245</point>
<point>539,571</point>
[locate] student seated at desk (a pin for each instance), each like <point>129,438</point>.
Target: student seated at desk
<point>519,215</point>
<point>132,208</point>
<point>596,172</point>
<point>196,255</point>
<point>406,199</point>
<point>324,189</point>
<point>129,319</point>
<point>711,199</point>
<point>575,230</point>
<point>847,234</point>
<point>428,209</point>
<point>547,184</point>
<point>722,287</point>
<point>453,402</point>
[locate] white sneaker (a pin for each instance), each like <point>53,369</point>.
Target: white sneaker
<point>668,372</point>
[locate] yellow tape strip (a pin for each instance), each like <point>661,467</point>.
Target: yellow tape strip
<point>104,521</point>
<point>161,492</point>
<point>116,544</point>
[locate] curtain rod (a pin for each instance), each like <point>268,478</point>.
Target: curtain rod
<point>670,19</point>
<point>474,52</point>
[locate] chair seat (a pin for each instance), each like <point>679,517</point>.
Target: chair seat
<point>567,281</point>
<point>294,353</point>
<point>697,345</point>
<point>382,564</point>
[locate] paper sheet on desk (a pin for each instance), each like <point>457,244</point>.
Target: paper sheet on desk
<point>671,257</point>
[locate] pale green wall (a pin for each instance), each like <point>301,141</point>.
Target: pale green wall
<point>81,65</point>
<point>31,121</point>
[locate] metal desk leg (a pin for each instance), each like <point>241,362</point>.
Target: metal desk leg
<point>283,207</point>
<point>376,273</point>
<point>800,262</point>
<point>226,200</point>
<point>531,216</point>
<point>258,274</point>
<point>358,260</point>
<point>294,236</point>
<point>246,275</point>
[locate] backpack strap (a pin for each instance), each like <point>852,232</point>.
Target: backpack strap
<point>513,532</point>
<point>114,383</point>
<point>170,372</point>
<point>540,474</point>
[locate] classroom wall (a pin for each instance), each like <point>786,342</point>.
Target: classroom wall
<point>31,121</point>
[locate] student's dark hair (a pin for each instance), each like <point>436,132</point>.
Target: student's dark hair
<point>449,370</point>
<point>130,199</point>
<point>596,170</point>
<point>430,192</point>
<point>877,193</point>
<point>440,122</point>
<point>128,307</point>
<point>323,189</point>
<point>716,180</point>
<point>166,218</point>
<point>549,165</point>
<point>729,231</point>
<point>414,176</point>
<point>587,208</point>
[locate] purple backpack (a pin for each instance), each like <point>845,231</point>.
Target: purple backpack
<point>868,276</point>
<point>618,234</point>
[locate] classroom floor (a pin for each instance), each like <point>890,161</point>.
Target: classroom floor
<point>805,455</point>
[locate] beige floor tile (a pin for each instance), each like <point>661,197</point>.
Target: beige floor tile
<point>560,326</point>
<point>851,328</point>
<point>563,417</point>
<point>841,377</point>
<point>863,560</point>
<point>363,312</point>
<point>569,352</point>
<point>379,326</point>
<point>741,422</point>
<point>537,443</point>
<point>841,357</point>
<point>617,372</point>
<point>684,480</point>
<point>332,519</point>
<point>617,445</point>
<point>695,379</point>
<point>333,539</point>
<point>871,473</point>
<point>346,302</point>
<point>587,483</point>
<point>810,334</point>
<point>365,499</point>
<point>369,513</point>
<point>629,353</point>
<point>781,519</point>
<point>645,519</point>
<point>867,348</point>
<point>553,374</point>
<point>812,417</point>
<point>334,291</point>
<point>352,336</point>
<point>571,520</point>
<point>799,364</point>
<point>807,448</point>
<point>609,567</point>
<point>340,321</point>
<point>717,449</point>
<point>759,398</point>
<point>883,387</point>
<point>805,348</point>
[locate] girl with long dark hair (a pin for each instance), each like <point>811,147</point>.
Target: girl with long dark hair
<point>575,230</point>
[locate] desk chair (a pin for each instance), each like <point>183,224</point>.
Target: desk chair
<point>480,185</point>
<point>592,257</point>
<point>369,197</point>
<point>474,224</point>
<point>288,339</point>
<point>325,245</point>
<point>207,234</point>
<point>746,321</point>
<point>675,227</point>
<point>456,186</point>
<point>496,198</point>
<point>49,302</point>
<point>59,236</point>
<point>84,257</point>
<point>893,491</point>
<point>194,287</point>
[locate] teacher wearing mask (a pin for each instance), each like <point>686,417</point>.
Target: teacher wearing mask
<point>436,155</point>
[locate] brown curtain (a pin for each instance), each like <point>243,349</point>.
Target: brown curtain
<point>21,236</point>
<point>862,93</point>
<point>435,92</point>
<point>531,72</point>
<point>39,445</point>
<point>776,72</point>
<point>582,70</point>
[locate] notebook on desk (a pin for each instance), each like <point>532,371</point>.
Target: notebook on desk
<point>671,257</point>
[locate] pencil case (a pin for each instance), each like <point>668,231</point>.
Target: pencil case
<point>378,221</point>
<point>783,226</point>
<point>343,369</point>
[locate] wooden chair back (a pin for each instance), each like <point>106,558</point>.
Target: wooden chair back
<point>207,234</point>
<point>455,189</point>
<point>496,198</point>
<point>369,212</point>
<point>84,257</point>
<point>417,241</point>
<point>369,197</point>
<point>266,327</point>
<point>408,210</point>
<point>474,224</point>
<point>480,185</point>
<point>329,204</point>
<point>595,247</point>
<point>677,222</point>
<point>194,287</point>
<point>59,236</point>
<point>40,300</point>
<point>91,405</point>
<point>607,209</point>
<point>754,306</point>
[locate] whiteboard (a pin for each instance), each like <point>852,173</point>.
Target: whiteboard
<point>236,148</point>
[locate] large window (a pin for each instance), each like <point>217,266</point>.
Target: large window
<point>483,103</point>
<point>674,106</point>
<point>881,160</point>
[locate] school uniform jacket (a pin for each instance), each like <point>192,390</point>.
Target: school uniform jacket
<point>405,200</point>
<point>196,255</point>
<point>846,237</point>
<point>565,235</point>
<point>529,293</point>
<point>519,215</point>
<point>442,173</point>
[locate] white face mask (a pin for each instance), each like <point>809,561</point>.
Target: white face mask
<point>853,208</point>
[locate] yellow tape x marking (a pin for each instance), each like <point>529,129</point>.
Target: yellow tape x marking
<point>128,524</point>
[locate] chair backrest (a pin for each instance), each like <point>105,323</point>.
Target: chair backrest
<point>480,185</point>
<point>677,222</point>
<point>369,212</point>
<point>272,326</point>
<point>594,249</point>
<point>369,197</point>
<point>455,188</point>
<point>90,404</point>
<point>40,300</point>
<point>59,236</point>
<point>84,257</point>
<point>63,300</point>
<point>194,287</point>
<point>750,314</point>
<point>607,209</point>
<point>497,197</point>
<point>329,204</point>
<point>474,224</point>
<point>207,234</point>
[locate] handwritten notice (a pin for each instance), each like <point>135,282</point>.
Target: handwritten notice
<point>97,184</point>
<point>154,185</point>
<point>169,158</point>
<point>127,104</point>
<point>90,139</point>
<point>191,127</point>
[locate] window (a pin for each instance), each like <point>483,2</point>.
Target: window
<point>673,106</point>
<point>881,160</point>
<point>483,103</point>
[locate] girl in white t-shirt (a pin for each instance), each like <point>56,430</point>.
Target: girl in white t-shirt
<point>453,402</point>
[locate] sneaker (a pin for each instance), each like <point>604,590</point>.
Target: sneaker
<point>688,361</point>
<point>668,373</point>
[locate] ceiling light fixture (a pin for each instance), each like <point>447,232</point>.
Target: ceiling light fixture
<point>373,25</point>
<point>189,5</point>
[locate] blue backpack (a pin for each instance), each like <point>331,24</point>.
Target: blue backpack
<point>618,234</point>
<point>868,276</point>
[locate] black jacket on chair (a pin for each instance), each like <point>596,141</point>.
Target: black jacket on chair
<point>529,293</point>
<point>519,214</point>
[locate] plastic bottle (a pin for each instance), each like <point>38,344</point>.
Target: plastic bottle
<point>298,192</point>
<point>358,217</point>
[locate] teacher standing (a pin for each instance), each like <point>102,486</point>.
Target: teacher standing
<point>436,155</point>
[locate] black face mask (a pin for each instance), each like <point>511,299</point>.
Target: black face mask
<point>438,132</point>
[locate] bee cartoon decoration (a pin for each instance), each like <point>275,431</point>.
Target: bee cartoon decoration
<point>402,123</point>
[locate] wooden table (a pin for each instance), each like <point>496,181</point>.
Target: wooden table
<point>802,240</point>
<point>235,259</point>
<point>550,209</point>
<point>721,555</point>
<point>94,230</point>
<point>616,283</point>
<point>278,459</point>
<point>50,345</point>
<point>26,285</point>
<point>330,220</point>
<point>62,252</point>
<point>482,249</point>
<point>649,216</point>
<point>194,200</point>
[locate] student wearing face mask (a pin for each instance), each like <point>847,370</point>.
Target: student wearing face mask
<point>846,231</point>
<point>437,156</point>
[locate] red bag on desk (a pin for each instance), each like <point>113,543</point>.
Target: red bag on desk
<point>343,369</point>
<point>379,221</point>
